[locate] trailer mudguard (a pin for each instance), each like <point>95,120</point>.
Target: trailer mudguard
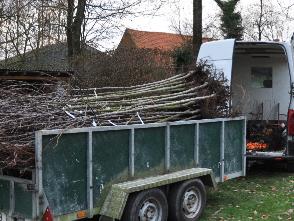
<point>116,199</point>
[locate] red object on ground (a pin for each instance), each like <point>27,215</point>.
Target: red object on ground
<point>47,216</point>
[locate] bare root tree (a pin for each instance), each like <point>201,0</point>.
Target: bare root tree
<point>26,108</point>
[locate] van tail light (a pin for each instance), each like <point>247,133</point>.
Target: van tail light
<point>47,216</point>
<point>291,122</point>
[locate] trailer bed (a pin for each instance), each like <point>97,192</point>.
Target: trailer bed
<point>76,169</point>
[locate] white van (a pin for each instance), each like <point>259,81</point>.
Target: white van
<point>261,76</point>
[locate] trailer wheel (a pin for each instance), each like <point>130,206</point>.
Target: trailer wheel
<point>187,201</point>
<point>290,166</point>
<point>148,205</point>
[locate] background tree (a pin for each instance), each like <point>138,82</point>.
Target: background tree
<point>31,24</point>
<point>268,20</point>
<point>231,21</point>
<point>197,26</point>
<point>28,25</point>
<point>90,21</point>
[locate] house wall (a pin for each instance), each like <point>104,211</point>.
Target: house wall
<point>248,100</point>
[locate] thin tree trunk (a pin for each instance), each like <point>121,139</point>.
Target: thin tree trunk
<point>6,47</point>
<point>260,21</point>
<point>17,26</point>
<point>59,22</point>
<point>49,29</point>
<point>39,29</point>
<point>42,23</point>
<point>70,12</point>
<point>197,26</point>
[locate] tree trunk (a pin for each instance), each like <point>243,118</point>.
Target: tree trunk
<point>197,26</point>
<point>74,27</point>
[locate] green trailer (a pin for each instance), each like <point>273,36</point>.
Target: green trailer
<point>136,172</point>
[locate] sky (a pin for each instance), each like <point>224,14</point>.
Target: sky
<point>168,13</point>
<point>171,14</point>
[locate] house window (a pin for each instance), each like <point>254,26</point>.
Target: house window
<point>261,77</point>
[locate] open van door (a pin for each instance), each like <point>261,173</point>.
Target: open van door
<point>219,54</point>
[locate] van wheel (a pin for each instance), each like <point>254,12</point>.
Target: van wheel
<point>187,201</point>
<point>149,205</point>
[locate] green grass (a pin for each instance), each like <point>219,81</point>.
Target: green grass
<point>259,196</point>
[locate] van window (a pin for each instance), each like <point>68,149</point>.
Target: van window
<point>261,77</point>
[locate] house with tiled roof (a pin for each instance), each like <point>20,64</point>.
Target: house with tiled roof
<point>162,43</point>
<point>153,40</point>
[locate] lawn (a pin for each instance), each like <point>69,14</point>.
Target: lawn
<point>262,195</point>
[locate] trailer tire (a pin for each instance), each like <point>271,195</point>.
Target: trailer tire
<point>152,203</point>
<point>187,201</point>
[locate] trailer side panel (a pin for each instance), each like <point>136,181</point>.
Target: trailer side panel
<point>80,166</point>
<point>233,155</point>
<point>5,195</point>
<point>65,172</point>
<point>110,160</point>
<point>209,147</point>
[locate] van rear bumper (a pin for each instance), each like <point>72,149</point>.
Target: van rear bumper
<point>262,156</point>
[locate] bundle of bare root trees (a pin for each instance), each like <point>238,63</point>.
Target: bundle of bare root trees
<point>26,108</point>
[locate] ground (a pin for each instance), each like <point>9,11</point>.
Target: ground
<point>265,194</point>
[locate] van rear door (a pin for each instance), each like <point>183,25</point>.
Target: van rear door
<point>220,54</point>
